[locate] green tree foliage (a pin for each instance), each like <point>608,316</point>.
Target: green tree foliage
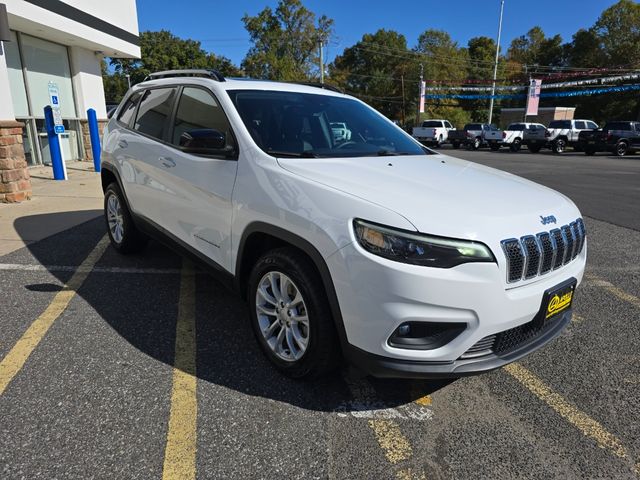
<point>285,42</point>
<point>373,68</point>
<point>535,48</point>
<point>619,31</point>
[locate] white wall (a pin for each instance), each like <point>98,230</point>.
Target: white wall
<point>6,107</point>
<point>87,82</point>
<point>39,22</point>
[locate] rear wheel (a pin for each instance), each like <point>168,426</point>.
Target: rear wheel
<point>290,314</point>
<point>622,148</point>
<point>559,146</point>
<point>124,235</point>
<point>476,143</point>
<point>516,145</point>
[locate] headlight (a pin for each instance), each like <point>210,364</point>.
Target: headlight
<point>419,249</point>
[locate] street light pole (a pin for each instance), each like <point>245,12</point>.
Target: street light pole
<point>495,67</point>
<point>320,42</point>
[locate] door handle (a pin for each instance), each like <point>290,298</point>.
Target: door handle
<point>167,162</point>
<point>123,144</point>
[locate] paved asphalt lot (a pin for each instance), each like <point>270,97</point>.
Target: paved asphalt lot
<point>99,397</point>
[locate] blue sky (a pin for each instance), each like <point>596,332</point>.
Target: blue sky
<point>218,25</point>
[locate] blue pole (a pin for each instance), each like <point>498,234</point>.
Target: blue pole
<point>54,144</point>
<point>95,138</point>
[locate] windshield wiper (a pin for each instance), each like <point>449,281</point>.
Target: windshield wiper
<point>305,154</point>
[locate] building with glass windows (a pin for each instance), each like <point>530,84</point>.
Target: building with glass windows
<point>60,43</point>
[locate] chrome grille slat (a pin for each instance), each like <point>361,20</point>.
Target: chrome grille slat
<point>481,347</point>
<point>534,255</point>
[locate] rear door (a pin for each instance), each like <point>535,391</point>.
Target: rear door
<point>199,175</point>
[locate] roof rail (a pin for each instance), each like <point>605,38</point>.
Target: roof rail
<point>214,74</point>
<point>320,85</point>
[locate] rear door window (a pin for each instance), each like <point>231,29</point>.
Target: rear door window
<point>581,125</point>
<point>592,125</point>
<point>154,112</point>
<point>447,125</point>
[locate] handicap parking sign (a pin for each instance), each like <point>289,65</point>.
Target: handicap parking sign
<point>54,99</point>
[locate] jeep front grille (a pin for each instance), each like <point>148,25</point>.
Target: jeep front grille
<point>534,255</point>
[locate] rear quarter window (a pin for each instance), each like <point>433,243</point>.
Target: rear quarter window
<point>129,109</point>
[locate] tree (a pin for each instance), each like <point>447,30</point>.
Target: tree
<point>585,50</point>
<point>164,51</point>
<point>619,31</point>
<point>373,69</point>
<point>285,42</point>
<point>535,48</point>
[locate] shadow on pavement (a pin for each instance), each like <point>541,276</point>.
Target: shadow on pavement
<point>142,308</point>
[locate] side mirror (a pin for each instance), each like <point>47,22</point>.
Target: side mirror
<point>203,139</point>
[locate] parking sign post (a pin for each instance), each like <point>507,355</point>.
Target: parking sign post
<point>59,171</point>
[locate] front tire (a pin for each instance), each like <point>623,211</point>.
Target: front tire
<point>559,146</point>
<point>124,235</point>
<point>290,314</point>
<point>516,145</point>
<point>476,143</point>
<point>622,148</point>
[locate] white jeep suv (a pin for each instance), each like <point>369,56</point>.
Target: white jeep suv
<point>405,262</point>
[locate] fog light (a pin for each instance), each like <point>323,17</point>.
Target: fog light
<point>404,330</point>
<point>425,335</point>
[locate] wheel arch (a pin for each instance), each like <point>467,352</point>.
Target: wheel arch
<point>260,237</point>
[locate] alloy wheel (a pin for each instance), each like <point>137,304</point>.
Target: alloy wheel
<point>115,218</point>
<point>282,316</point>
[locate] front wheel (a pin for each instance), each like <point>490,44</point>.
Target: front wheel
<point>516,145</point>
<point>476,143</point>
<point>290,315</point>
<point>124,235</point>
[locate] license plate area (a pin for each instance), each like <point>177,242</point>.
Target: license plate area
<point>557,300</point>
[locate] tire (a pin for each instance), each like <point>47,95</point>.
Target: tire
<point>622,148</point>
<point>494,146</point>
<point>124,235</point>
<point>559,146</point>
<point>476,143</point>
<point>455,145</point>
<point>534,148</point>
<point>321,354</point>
<point>589,152</point>
<point>440,141</point>
<point>516,145</point>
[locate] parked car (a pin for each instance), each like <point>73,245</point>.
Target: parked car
<point>516,135</point>
<point>433,132</point>
<point>340,131</point>
<point>619,138</point>
<point>564,133</point>
<point>473,135</point>
<point>406,262</point>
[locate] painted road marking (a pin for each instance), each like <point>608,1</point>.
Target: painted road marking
<point>395,445</point>
<point>18,355</point>
<point>84,269</point>
<point>588,426</point>
<point>180,452</point>
<point>611,288</point>
<point>410,474</point>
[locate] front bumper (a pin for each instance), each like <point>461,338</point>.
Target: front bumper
<point>385,367</point>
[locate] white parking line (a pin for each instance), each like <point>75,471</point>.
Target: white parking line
<point>84,269</point>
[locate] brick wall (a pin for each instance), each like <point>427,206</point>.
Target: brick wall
<point>86,138</point>
<point>15,182</point>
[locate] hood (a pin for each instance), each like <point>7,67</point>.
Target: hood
<point>443,195</point>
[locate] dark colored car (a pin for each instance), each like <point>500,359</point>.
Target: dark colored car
<point>619,138</point>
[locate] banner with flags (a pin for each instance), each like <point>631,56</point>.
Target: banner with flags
<point>533,99</point>
<point>422,91</point>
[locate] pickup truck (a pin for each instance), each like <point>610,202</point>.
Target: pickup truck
<point>473,135</point>
<point>433,132</point>
<point>564,133</point>
<point>340,132</point>
<point>516,135</point>
<point>619,138</point>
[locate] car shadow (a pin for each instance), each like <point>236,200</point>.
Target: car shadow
<point>137,296</point>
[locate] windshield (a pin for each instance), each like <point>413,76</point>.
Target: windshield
<point>292,124</point>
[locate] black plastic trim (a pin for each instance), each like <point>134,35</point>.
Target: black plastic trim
<point>312,252</point>
<point>384,367</point>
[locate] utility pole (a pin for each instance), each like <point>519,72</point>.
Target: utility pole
<point>320,44</point>
<point>403,118</point>
<point>420,94</point>
<point>495,67</point>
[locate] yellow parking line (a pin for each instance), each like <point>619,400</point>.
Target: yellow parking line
<point>588,426</point>
<point>410,474</point>
<point>395,445</point>
<point>180,452</point>
<point>18,355</point>
<point>611,288</point>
